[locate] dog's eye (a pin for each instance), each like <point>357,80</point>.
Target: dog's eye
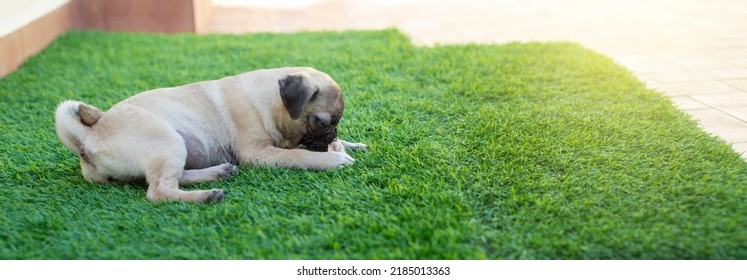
<point>313,96</point>
<point>83,155</point>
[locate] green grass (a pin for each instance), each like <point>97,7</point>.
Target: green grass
<point>528,151</point>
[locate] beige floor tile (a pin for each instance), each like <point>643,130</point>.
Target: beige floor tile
<point>740,148</point>
<point>721,74</point>
<point>704,61</point>
<point>719,123</point>
<point>723,100</point>
<point>739,83</point>
<point>650,83</point>
<point>646,63</point>
<point>699,88</point>
<point>736,52</point>
<point>701,75</point>
<point>687,103</point>
<point>737,112</point>
<point>669,77</point>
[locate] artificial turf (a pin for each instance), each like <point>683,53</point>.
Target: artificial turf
<point>522,150</point>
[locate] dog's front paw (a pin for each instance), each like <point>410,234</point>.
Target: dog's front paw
<point>336,147</point>
<point>336,160</point>
<point>354,146</point>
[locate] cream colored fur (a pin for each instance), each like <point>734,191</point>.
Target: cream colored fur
<point>207,125</point>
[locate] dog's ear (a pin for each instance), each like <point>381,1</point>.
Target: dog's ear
<point>89,115</point>
<point>296,90</point>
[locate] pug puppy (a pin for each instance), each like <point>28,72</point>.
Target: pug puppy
<point>171,137</point>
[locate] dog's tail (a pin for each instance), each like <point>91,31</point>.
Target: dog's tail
<point>73,121</point>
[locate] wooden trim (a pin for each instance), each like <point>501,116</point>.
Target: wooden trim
<point>162,16</point>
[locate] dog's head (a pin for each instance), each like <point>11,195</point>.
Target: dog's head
<point>315,100</point>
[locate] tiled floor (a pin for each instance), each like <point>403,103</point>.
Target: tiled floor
<point>694,51</point>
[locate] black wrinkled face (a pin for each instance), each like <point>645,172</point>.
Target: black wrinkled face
<point>321,131</point>
<point>319,142</point>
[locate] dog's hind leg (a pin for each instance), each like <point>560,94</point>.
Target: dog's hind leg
<point>213,173</point>
<point>164,174</point>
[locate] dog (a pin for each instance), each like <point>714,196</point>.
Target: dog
<point>171,137</point>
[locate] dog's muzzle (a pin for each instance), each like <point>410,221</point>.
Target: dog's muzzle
<point>319,141</point>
